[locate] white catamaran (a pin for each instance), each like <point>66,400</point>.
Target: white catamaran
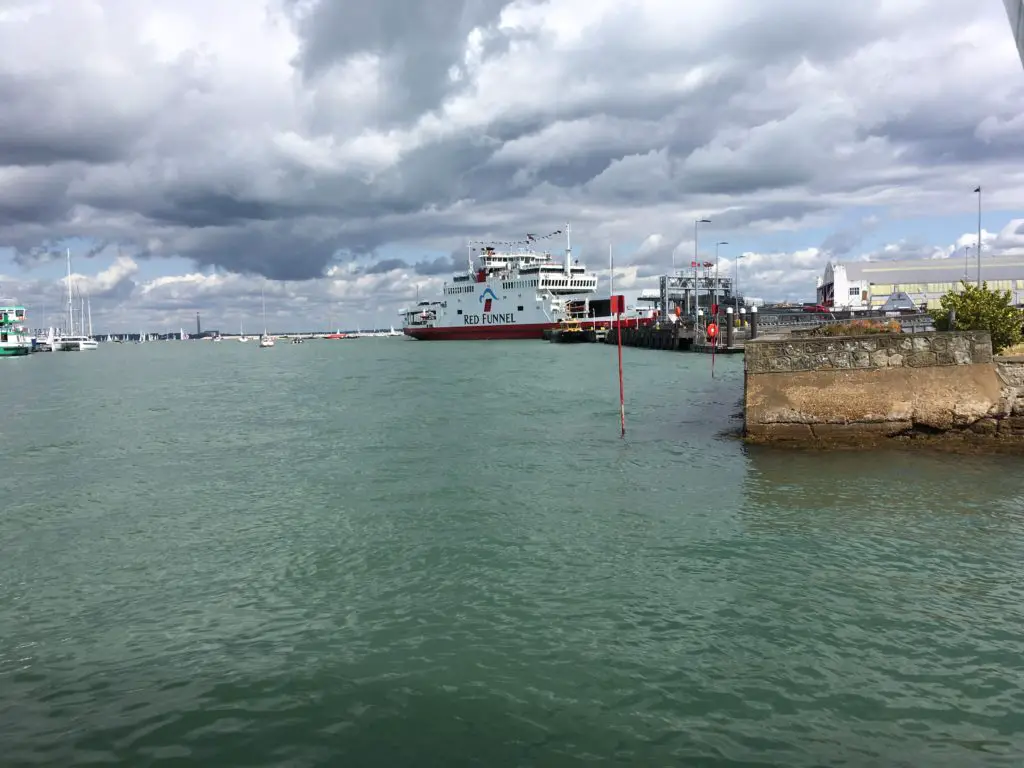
<point>69,341</point>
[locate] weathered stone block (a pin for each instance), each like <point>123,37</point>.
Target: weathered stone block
<point>858,432</point>
<point>1012,373</point>
<point>861,359</point>
<point>895,361</point>
<point>962,355</point>
<point>987,426</point>
<point>1013,425</point>
<point>920,344</point>
<point>780,433</point>
<point>921,359</point>
<point>880,358</point>
<point>840,359</point>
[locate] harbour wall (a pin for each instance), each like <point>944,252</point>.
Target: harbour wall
<point>862,390</point>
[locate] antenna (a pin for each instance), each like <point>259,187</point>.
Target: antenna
<point>568,249</point>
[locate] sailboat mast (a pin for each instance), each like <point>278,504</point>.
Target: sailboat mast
<point>263,300</point>
<point>88,303</point>
<point>71,305</point>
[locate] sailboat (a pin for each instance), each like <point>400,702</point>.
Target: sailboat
<point>266,340</point>
<point>69,341</point>
<point>241,332</point>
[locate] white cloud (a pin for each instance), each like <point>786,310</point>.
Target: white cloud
<point>301,141</point>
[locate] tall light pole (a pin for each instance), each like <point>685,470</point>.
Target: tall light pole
<point>736,286</point>
<point>696,262</point>
<point>978,191</point>
<point>720,242</point>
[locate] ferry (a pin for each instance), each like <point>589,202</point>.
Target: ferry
<point>14,338</point>
<point>512,290</point>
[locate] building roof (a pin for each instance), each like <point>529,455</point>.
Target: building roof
<point>936,270</point>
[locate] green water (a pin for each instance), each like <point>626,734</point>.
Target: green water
<point>399,553</point>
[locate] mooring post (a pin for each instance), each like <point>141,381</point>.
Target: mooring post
<point>730,329</point>
<point>753,322</point>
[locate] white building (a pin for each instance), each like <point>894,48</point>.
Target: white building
<point>862,285</point>
<point>836,289</point>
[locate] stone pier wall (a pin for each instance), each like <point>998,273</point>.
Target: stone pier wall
<point>865,389</point>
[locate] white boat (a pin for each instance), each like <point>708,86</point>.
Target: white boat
<point>69,341</point>
<point>77,343</point>
<point>14,338</point>
<point>266,340</point>
<point>241,333</point>
<point>512,292</point>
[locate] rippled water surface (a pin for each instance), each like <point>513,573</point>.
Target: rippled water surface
<point>391,553</point>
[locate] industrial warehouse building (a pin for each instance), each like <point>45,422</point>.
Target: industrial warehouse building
<point>864,285</point>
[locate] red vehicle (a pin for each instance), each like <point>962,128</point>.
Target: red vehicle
<point>815,308</point>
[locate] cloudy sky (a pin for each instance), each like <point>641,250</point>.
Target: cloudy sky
<point>339,153</point>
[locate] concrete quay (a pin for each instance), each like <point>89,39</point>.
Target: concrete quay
<point>944,389</point>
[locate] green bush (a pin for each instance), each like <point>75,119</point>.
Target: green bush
<point>981,309</point>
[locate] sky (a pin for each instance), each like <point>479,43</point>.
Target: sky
<point>337,155</point>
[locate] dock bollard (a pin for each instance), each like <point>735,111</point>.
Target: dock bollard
<point>730,329</point>
<point>753,322</point>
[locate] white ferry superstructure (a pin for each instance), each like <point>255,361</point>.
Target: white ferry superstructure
<point>512,292</point>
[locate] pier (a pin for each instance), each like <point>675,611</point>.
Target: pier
<point>687,336</point>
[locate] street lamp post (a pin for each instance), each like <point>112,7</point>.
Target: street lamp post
<point>715,298</point>
<point>736,285</point>
<point>978,191</point>
<point>696,261</point>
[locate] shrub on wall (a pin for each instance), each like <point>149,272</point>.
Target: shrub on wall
<point>981,309</point>
<point>858,328</point>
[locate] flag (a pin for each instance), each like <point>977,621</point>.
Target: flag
<point>530,237</point>
<point>978,188</point>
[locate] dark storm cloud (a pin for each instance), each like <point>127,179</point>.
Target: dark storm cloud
<point>273,250</point>
<point>443,265</point>
<point>420,42</point>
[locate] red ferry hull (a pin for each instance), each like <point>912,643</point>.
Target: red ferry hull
<point>481,332</point>
<point>499,332</point>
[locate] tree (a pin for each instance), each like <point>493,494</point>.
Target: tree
<point>981,309</point>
